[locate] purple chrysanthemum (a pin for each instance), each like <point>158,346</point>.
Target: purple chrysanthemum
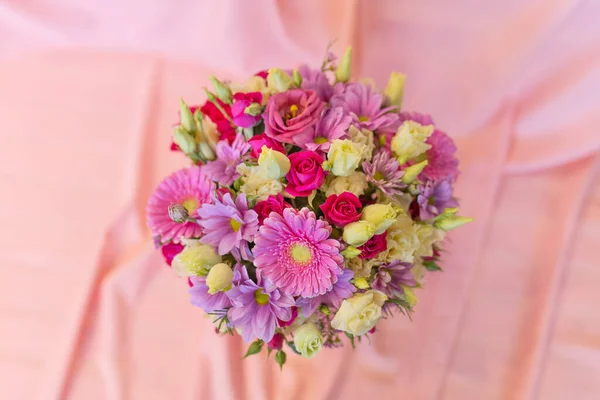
<point>390,278</point>
<point>434,197</point>
<point>315,79</point>
<point>295,252</point>
<point>384,172</point>
<point>442,164</point>
<point>364,104</point>
<point>229,156</point>
<point>217,301</point>
<point>229,225</point>
<point>341,290</point>
<point>334,125</point>
<point>423,119</point>
<point>189,188</point>
<point>257,309</point>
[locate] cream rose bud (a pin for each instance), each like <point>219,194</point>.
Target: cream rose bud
<point>279,81</point>
<point>219,278</point>
<point>381,216</point>
<point>409,141</point>
<point>273,164</point>
<point>344,156</point>
<point>358,233</point>
<point>195,259</point>
<point>359,313</point>
<point>308,340</point>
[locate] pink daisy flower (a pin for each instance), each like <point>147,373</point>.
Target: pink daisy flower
<point>229,225</point>
<point>229,156</point>
<point>189,188</point>
<point>294,251</point>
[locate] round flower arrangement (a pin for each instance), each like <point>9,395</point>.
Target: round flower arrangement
<point>313,207</point>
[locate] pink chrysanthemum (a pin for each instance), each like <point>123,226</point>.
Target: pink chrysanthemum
<point>384,172</point>
<point>189,188</point>
<point>294,251</point>
<point>229,156</point>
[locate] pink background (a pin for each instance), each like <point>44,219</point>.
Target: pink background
<point>88,92</point>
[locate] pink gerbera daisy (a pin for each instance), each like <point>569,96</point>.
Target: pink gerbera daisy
<point>295,252</point>
<point>186,190</point>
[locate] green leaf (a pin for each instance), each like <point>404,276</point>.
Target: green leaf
<point>431,266</point>
<point>291,346</point>
<point>255,347</point>
<point>351,337</point>
<point>280,357</point>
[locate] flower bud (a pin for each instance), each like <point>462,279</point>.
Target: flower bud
<point>343,72</point>
<point>278,80</point>
<point>223,91</point>
<point>308,340</point>
<point>273,164</point>
<point>195,259</point>
<point>219,278</point>
<point>359,313</point>
<point>411,173</point>
<point>178,213</point>
<point>452,222</point>
<point>187,119</point>
<point>184,140</point>
<point>358,233</point>
<point>394,91</point>
<point>207,151</point>
<point>361,283</point>
<point>380,216</point>
<point>253,109</point>
<point>297,78</point>
<point>343,157</point>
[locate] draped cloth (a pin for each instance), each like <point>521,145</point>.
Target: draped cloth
<point>89,92</point>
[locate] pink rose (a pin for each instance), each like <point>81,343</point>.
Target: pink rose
<point>258,141</point>
<point>342,209</point>
<point>241,101</point>
<point>374,246</point>
<point>306,173</point>
<point>291,113</point>
<point>271,204</point>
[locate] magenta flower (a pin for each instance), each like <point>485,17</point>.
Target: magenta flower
<point>390,278</point>
<point>170,250</point>
<point>291,113</point>
<point>229,225</point>
<point>433,198</point>
<point>442,162</point>
<point>241,101</point>
<point>223,168</point>
<point>315,79</point>
<point>257,309</point>
<point>365,106</point>
<point>295,252</point>
<point>271,204</point>
<point>334,125</point>
<point>373,247</point>
<point>341,290</point>
<point>306,173</point>
<point>257,142</point>
<point>190,188</point>
<point>384,172</point>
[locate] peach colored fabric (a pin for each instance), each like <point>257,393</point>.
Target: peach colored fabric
<point>89,311</point>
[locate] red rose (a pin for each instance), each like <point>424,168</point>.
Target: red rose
<point>306,173</point>
<point>258,141</point>
<point>224,127</point>
<point>170,250</point>
<point>374,246</point>
<point>272,204</point>
<point>342,209</point>
<point>277,342</point>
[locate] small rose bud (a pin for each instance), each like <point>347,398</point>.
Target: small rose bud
<point>278,80</point>
<point>187,119</point>
<point>394,92</point>
<point>223,91</point>
<point>219,278</point>
<point>184,140</point>
<point>178,213</point>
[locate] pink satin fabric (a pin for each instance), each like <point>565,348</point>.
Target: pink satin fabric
<point>89,91</point>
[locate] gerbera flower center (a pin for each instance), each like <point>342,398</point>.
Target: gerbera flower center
<point>261,298</point>
<point>190,205</point>
<point>320,140</point>
<point>235,225</point>
<point>362,118</point>
<point>301,253</point>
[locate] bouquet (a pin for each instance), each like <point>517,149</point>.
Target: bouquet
<point>313,207</point>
